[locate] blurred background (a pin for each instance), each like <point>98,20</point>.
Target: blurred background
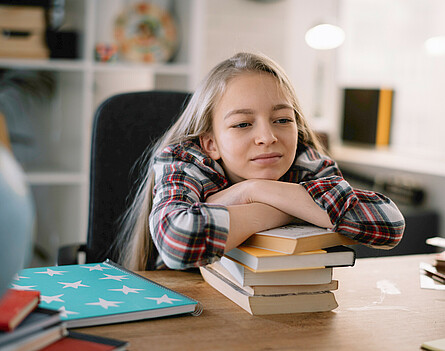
<point>59,59</point>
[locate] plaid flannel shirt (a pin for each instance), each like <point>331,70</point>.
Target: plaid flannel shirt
<point>189,233</point>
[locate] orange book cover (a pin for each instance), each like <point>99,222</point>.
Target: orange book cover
<point>15,305</point>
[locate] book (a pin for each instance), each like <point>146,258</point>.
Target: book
<point>434,345</point>
<point>102,293</point>
<point>246,277</point>
<point>15,305</point>
<point>285,288</point>
<point>80,341</point>
<point>38,340</point>
<point>270,304</point>
<point>296,238</point>
<point>367,116</point>
<point>37,320</point>
<point>260,260</point>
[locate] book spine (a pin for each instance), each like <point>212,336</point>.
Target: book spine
<point>384,117</point>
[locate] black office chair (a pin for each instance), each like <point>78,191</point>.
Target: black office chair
<point>124,125</point>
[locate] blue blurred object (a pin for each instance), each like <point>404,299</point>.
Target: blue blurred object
<point>17,219</point>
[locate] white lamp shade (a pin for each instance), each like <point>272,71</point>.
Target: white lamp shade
<point>325,37</point>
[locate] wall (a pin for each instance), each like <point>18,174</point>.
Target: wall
<point>275,28</point>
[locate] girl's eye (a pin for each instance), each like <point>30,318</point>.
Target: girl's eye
<point>283,120</point>
<point>241,125</point>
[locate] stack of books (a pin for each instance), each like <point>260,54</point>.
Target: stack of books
<point>283,270</point>
<point>24,326</point>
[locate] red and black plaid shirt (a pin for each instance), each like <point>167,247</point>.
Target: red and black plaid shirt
<point>189,232</point>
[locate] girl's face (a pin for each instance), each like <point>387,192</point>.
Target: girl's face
<point>254,129</point>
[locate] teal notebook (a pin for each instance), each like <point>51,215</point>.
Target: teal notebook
<point>102,293</point>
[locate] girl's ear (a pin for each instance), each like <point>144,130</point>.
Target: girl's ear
<point>208,144</point>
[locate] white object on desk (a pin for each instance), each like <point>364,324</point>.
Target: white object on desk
<point>427,282</point>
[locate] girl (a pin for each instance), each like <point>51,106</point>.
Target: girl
<point>240,159</point>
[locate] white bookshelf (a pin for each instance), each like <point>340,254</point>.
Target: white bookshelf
<point>59,175</point>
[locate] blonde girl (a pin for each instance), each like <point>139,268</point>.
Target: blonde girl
<point>242,158</point>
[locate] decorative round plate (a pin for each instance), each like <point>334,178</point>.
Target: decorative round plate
<point>146,33</point>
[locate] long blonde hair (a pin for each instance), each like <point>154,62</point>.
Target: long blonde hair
<point>134,242</point>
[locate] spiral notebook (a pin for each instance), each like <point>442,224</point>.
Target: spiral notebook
<point>102,293</point>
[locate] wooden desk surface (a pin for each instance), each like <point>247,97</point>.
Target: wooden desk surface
<point>381,307</point>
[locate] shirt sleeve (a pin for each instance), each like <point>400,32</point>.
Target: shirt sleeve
<point>365,216</point>
<point>186,231</point>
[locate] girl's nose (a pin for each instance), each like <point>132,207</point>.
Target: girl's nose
<point>265,135</point>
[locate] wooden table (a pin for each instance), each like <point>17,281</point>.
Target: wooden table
<point>381,307</point>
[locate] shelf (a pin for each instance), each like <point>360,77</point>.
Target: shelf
<point>169,68</point>
<point>391,159</point>
<point>56,178</point>
<point>46,65</point>
<point>55,144</point>
<point>80,66</point>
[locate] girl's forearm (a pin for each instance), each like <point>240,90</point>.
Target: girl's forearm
<point>248,219</point>
<point>290,198</point>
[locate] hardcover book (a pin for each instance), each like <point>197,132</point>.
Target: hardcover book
<point>270,304</point>
<point>80,341</point>
<point>40,323</point>
<point>38,340</point>
<point>102,293</point>
<point>15,305</point>
<point>296,238</point>
<point>261,260</point>
<point>246,277</point>
<point>367,116</point>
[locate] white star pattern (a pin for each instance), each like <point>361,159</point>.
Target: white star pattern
<point>114,277</point>
<point>19,287</point>
<point>164,298</point>
<point>49,299</point>
<point>18,277</point>
<point>50,272</point>
<point>105,304</point>
<point>79,294</point>
<point>64,313</point>
<point>74,285</point>
<point>126,290</point>
<point>97,267</point>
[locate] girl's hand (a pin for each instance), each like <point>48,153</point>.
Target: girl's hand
<point>238,194</point>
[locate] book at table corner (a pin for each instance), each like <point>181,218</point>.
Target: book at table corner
<point>294,238</point>
<point>40,328</point>
<point>15,305</point>
<point>434,345</point>
<point>87,342</point>
<point>260,260</point>
<point>102,293</point>
<point>285,288</point>
<point>244,276</point>
<point>322,301</point>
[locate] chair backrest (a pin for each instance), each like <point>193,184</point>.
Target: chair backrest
<point>124,125</point>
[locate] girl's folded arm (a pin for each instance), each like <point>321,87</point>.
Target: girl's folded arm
<point>368,217</point>
<point>195,234</point>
